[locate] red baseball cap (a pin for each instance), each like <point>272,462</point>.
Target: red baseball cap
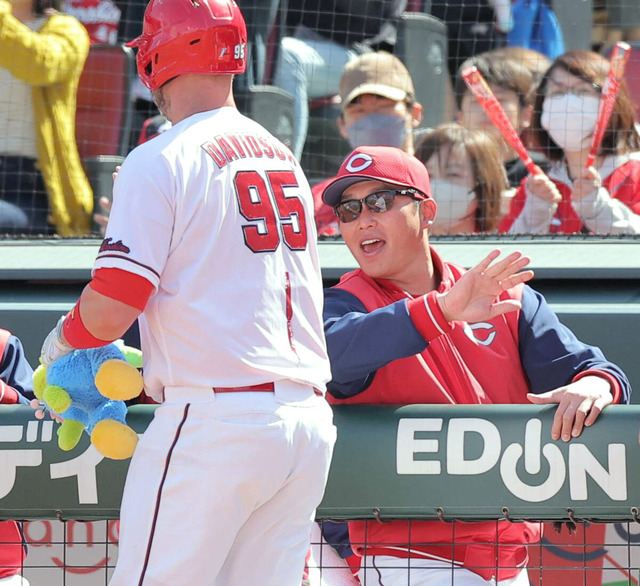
<point>378,163</point>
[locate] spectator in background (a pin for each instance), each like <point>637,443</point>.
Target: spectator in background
<point>601,199</point>
<point>379,107</point>
<point>101,18</point>
<point>473,26</point>
<point>324,36</point>
<point>42,53</point>
<point>512,81</point>
<point>467,179</point>
<point>536,27</point>
<point>16,386</point>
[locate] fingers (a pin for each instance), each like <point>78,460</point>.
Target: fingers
<point>504,268</point>
<point>597,407</point>
<point>502,307</point>
<point>545,398</point>
<point>574,412</point>
<point>542,187</point>
<point>487,260</point>
<point>522,277</point>
<point>105,204</point>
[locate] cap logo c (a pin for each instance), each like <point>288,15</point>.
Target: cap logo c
<point>358,163</point>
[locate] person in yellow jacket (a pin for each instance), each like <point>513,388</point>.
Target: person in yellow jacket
<point>43,187</point>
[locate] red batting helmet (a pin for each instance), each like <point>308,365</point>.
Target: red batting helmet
<point>190,36</point>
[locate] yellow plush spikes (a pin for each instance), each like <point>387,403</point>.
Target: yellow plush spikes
<point>39,382</point>
<point>118,380</point>
<point>113,439</point>
<point>56,398</point>
<point>69,434</point>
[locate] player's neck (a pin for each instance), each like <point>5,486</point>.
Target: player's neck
<point>191,94</point>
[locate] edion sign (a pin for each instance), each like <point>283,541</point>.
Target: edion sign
<point>448,450</point>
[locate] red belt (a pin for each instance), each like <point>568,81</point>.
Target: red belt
<point>263,388</point>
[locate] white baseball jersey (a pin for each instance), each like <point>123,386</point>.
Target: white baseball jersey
<point>217,214</point>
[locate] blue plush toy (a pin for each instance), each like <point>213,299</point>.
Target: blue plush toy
<point>87,389</point>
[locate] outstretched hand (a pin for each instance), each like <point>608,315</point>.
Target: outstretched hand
<point>475,296</point>
<point>579,405</point>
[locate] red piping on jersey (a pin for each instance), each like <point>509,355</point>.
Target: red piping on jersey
<point>159,495</point>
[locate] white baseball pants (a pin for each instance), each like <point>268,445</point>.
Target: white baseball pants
<point>222,489</point>
<point>14,581</point>
<point>391,571</point>
<point>326,567</point>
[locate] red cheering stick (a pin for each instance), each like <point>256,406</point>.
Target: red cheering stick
<point>610,89</point>
<point>482,92</point>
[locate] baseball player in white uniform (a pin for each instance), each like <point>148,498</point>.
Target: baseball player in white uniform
<point>211,243</point>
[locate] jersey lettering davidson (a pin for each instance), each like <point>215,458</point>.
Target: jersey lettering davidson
<point>229,147</point>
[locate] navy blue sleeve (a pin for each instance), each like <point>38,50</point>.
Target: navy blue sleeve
<point>360,342</point>
<point>550,352</point>
<point>336,534</point>
<point>16,371</point>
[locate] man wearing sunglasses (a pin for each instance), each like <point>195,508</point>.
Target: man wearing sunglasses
<point>409,327</point>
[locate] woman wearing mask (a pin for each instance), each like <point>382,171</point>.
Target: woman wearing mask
<point>467,179</point>
<point>602,199</point>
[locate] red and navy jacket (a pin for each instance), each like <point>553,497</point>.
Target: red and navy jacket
<point>16,374</point>
<point>388,348</point>
<point>16,386</point>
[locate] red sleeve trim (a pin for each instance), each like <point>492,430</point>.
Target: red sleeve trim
<point>123,286</point>
<point>8,395</point>
<point>616,391</point>
<point>427,316</point>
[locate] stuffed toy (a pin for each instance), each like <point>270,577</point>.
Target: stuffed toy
<point>87,390</point>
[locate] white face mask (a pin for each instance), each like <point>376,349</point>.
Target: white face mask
<point>570,120</point>
<point>453,203</point>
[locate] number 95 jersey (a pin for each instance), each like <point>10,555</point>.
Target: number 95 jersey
<point>217,214</point>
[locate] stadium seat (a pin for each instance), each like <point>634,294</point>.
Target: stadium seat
<point>104,113</point>
<point>576,21</point>
<point>631,72</point>
<point>255,98</point>
<point>422,47</point>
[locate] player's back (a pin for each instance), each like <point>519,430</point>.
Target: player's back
<point>232,245</point>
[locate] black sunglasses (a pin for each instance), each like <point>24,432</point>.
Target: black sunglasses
<point>378,201</point>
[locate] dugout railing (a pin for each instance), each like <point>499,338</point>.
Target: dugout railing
<point>593,285</point>
<point>449,464</point>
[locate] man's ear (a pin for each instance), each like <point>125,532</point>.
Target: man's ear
<point>342,128</point>
<point>428,210</point>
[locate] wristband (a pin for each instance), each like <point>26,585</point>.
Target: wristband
<point>76,333</point>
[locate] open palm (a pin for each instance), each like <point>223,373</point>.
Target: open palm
<point>475,296</point>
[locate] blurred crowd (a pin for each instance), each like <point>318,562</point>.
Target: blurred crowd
<point>340,71</point>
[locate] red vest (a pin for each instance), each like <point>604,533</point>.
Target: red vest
<point>472,364</point>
